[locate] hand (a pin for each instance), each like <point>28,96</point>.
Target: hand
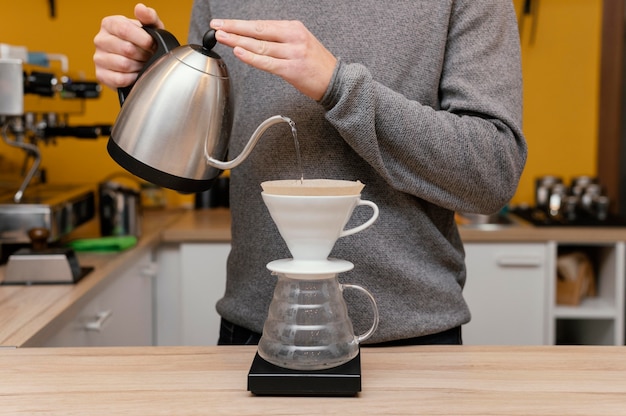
<point>122,46</point>
<point>283,48</point>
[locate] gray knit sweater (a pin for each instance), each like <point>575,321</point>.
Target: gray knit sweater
<point>424,108</point>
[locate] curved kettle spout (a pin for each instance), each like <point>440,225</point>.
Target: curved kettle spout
<point>250,145</point>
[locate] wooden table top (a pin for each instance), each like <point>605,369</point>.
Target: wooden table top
<point>427,380</point>
<point>213,225</point>
<point>27,311</point>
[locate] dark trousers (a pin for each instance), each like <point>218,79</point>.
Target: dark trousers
<point>231,334</point>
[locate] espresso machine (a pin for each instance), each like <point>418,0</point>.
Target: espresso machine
<point>38,94</point>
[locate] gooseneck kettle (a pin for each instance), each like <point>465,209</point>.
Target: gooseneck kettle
<point>174,125</point>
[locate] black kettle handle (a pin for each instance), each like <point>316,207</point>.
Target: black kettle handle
<point>165,42</point>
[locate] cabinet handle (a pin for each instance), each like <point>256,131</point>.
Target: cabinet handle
<point>517,261</point>
<point>149,270</point>
<point>98,323</point>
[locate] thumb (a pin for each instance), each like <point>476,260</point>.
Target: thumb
<point>148,16</point>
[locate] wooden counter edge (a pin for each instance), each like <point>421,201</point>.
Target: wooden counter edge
<point>213,225</point>
<point>425,380</point>
<point>521,234</point>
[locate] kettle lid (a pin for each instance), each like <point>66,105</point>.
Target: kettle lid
<point>202,57</point>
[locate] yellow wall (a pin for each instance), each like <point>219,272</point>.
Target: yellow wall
<point>561,90</point>
<point>560,68</point>
<point>71,33</point>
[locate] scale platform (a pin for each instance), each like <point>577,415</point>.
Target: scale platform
<point>266,379</point>
<point>46,266</point>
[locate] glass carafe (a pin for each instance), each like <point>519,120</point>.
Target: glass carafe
<point>308,327</point>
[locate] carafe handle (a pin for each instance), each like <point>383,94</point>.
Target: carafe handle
<point>365,224</point>
<point>370,331</point>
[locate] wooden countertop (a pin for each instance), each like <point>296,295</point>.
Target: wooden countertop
<point>214,225</point>
<point>529,234</point>
<point>28,313</point>
<point>427,380</point>
<point>209,225</point>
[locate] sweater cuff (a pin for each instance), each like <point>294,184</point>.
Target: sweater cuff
<point>331,96</point>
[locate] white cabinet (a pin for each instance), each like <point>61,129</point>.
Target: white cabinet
<point>597,320</point>
<point>512,295</point>
<point>506,291</point>
<point>119,315</point>
<point>190,281</point>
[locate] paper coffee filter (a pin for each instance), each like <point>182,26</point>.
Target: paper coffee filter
<point>312,187</point>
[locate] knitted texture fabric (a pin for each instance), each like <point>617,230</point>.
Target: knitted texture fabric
<point>424,108</point>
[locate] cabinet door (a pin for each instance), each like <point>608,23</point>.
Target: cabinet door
<point>129,301</point>
<point>506,293</point>
<point>120,315</point>
<point>190,281</point>
<point>203,283</point>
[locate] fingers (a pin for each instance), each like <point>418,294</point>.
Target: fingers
<point>148,16</point>
<point>114,79</point>
<point>262,37</point>
<point>271,30</point>
<point>118,69</point>
<point>257,46</point>
<point>124,37</point>
<point>284,48</point>
<point>122,46</point>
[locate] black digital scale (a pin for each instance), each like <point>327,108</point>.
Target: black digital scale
<point>266,379</point>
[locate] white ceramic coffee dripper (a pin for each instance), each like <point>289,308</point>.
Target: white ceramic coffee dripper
<point>311,217</point>
<point>308,327</point>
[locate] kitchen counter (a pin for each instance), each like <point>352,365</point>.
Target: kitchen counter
<point>525,233</point>
<point>29,314</point>
<point>214,225</point>
<point>426,380</point>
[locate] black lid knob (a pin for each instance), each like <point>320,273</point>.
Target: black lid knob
<point>208,40</point>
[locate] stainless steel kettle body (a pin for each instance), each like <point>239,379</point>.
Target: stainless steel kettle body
<point>174,125</point>
<point>178,110</point>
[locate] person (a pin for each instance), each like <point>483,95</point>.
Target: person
<point>419,100</point>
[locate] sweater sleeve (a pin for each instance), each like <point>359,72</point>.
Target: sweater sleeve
<point>466,154</point>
